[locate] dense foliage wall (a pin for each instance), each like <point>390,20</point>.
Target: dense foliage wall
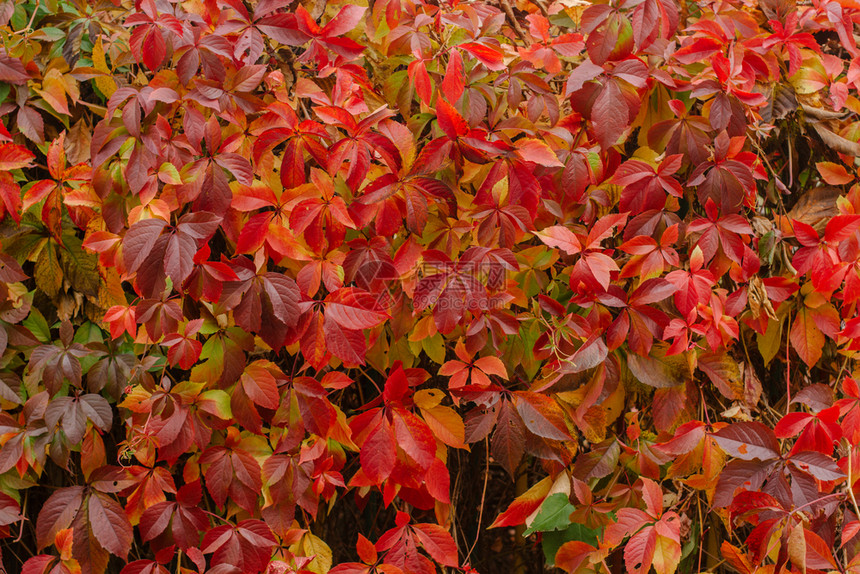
<point>396,286</point>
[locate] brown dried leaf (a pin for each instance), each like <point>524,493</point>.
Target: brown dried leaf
<point>78,141</point>
<point>816,207</point>
<point>781,102</point>
<point>836,142</point>
<point>758,299</point>
<point>752,386</point>
<point>821,113</point>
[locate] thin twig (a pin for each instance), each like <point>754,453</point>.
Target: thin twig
<point>483,499</point>
<point>788,367</point>
<point>29,27</point>
<point>24,517</point>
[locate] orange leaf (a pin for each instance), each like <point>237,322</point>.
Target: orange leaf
<point>834,173</point>
<point>492,366</point>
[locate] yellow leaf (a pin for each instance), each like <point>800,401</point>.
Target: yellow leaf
<point>92,453</point>
<point>768,344</point>
<point>614,404</point>
<point>500,190</point>
<point>447,425</point>
<point>667,555</point>
<point>312,546</point>
<point>106,84</point>
<point>428,398</point>
<point>110,289</point>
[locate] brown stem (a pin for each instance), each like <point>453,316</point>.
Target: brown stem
<point>788,367</point>
<point>509,14</point>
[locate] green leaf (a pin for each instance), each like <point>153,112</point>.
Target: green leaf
<point>523,345</point>
<point>434,347</point>
<point>81,268</point>
<point>19,18</point>
<point>691,544</point>
<point>554,514</point>
<point>769,343</point>
<point>88,333</point>
<point>52,34</point>
<point>37,325</point>
<point>217,402</point>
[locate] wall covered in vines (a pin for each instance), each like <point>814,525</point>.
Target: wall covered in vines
<point>402,287</point>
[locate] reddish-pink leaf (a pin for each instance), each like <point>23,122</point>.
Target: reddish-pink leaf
<point>57,514</point>
<point>639,551</point>
<point>260,386</point>
<point>560,237</point>
<point>438,543</point>
<point>109,524</point>
<point>378,453</point>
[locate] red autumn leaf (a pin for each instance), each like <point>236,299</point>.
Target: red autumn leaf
<point>260,385</point>
<point>490,56</point>
<point>508,439</point>
<point>438,543</point>
<point>537,152</point>
<point>233,474</point>
<point>379,452</point>
<point>109,524</point>
<point>751,502</point>
<point>144,567</point>
<point>818,432</point>
<point>13,156</point>
<point>57,513</point>
<point>748,441</point>
<point>246,546</point>
<point>541,415</point>
<point>524,505</point>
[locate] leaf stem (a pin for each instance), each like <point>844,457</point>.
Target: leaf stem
<point>29,27</point>
<point>221,518</point>
<point>816,501</point>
